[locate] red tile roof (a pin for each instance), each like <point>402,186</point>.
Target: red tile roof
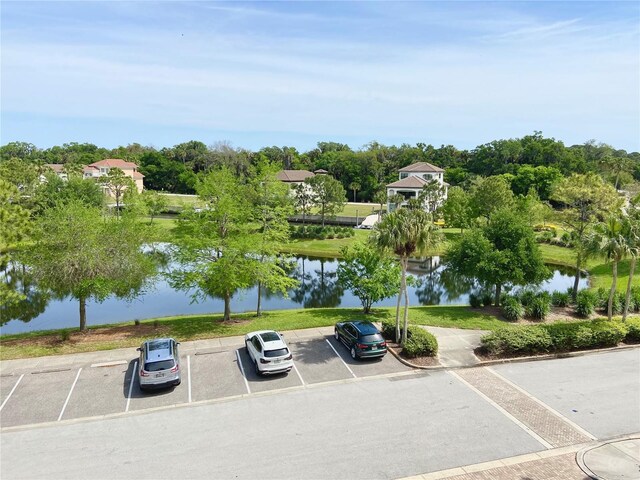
<point>56,167</point>
<point>421,167</point>
<point>114,163</point>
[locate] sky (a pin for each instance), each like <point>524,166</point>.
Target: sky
<point>295,73</point>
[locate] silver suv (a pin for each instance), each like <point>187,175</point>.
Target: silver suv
<point>159,363</point>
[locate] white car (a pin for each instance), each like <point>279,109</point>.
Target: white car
<point>268,352</point>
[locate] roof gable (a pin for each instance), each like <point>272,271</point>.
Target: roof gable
<point>114,163</point>
<point>294,175</point>
<point>420,167</point>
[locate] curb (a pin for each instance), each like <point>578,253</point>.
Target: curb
<point>581,454</point>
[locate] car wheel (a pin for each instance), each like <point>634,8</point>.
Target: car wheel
<point>255,364</point>
<point>178,382</point>
<point>336,335</point>
<point>354,355</point>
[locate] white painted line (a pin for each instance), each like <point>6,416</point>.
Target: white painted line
<point>108,364</point>
<point>502,410</point>
<point>11,392</point>
<point>189,375</point>
<point>242,370</point>
<point>345,363</point>
<point>69,396</point>
<point>134,374</point>
<point>542,404</point>
<point>299,376</point>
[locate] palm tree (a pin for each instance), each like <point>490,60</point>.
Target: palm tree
<point>631,233</point>
<point>607,240</point>
<point>405,232</point>
<point>355,186</point>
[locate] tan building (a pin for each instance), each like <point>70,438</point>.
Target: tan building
<point>101,168</point>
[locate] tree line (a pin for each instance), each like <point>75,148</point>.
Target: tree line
<point>532,161</point>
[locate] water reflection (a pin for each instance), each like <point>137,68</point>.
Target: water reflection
<point>318,287</point>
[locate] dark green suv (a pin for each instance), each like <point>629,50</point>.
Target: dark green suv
<point>362,339</point>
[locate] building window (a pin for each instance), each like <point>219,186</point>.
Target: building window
<point>403,175</point>
<point>427,176</point>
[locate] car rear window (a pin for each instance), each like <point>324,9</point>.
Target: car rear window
<point>276,353</point>
<point>158,366</point>
<point>371,338</point>
<point>159,345</point>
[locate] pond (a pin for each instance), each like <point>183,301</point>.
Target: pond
<point>318,287</point>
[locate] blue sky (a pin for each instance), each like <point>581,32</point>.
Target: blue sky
<point>295,73</point>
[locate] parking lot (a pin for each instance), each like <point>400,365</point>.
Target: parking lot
<point>62,392</point>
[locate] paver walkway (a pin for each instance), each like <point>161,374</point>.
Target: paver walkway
<point>553,429</point>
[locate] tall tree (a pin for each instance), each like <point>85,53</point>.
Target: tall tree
<point>457,209</point>
<point>631,233</point>
<point>504,251</point>
<point>380,197</point>
<point>303,199</point>
<point>490,194</point>
<point>405,232</point>
<point>81,254</point>
<point>329,194</point>
<point>215,245</point>
<point>117,182</point>
<point>15,227</point>
<point>154,202</point>
<point>271,208</point>
<point>371,275</point>
<point>585,199</point>
<point>432,195</point>
<point>354,187</point>
<point>607,240</point>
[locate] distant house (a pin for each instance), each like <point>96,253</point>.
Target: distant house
<point>412,180</point>
<point>294,177</point>
<point>101,168</point>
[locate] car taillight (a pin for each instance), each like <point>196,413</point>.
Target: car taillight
<point>264,360</point>
<point>383,344</point>
<point>175,369</point>
<point>143,373</point>
<point>289,357</point>
<point>362,346</point>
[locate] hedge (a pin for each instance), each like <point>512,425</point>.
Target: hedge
<point>419,341</point>
<point>560,337</point>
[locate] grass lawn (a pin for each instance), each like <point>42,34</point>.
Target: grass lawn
<point>181,200</point>
<point>195,327</point>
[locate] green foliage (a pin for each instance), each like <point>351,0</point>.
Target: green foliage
<point>154,203</point>
<point>512,309</point>
<point>56,191</point>
<point>539,307</point>
<point>518,340</point>
<point>560,299</point>
<point>369,274</point>
<point>633,330</point>
<point>456,209</point>
<point>420,343</point>
<point>328,194</point>
<point>486,299</point>
<point>475,300</point>
<point>586,301</point>
<point>488,195</point>
<point>634,300</point>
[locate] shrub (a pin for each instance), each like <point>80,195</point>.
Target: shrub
<point>539,307</point>
<point>475,301</point>
<point>602,298</point>
<point>634,299</point>
<point>518,340</point>
<point>607,334</point>
<point>560,299</point>
<point>585,302</point>
<point>579,335</point>
<point>526,297</point>
<point>389,329</point>
<point>420,343</point>
<point>487,299</point>
<point>512,308</point>
<point>633,330</point>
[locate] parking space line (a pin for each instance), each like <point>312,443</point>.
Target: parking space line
<point>244,377</point>
<point>189,375</point>
<point>299,376</point>
<point>11,392</point>
<point>69,396</point>
<point>133,376</point>
<point>345,363</point>
<point>502,410</point>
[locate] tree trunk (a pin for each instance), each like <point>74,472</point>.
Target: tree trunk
<point>402,280</point>
<point>496,300</point>
<point>323,214</point>
<point>227,307</point>
<point>83,314</point>
<point>406,312</point>
<point>612,291</point>
<point>259,308</point>
<point>627,297</point>
<point>576,282</point>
